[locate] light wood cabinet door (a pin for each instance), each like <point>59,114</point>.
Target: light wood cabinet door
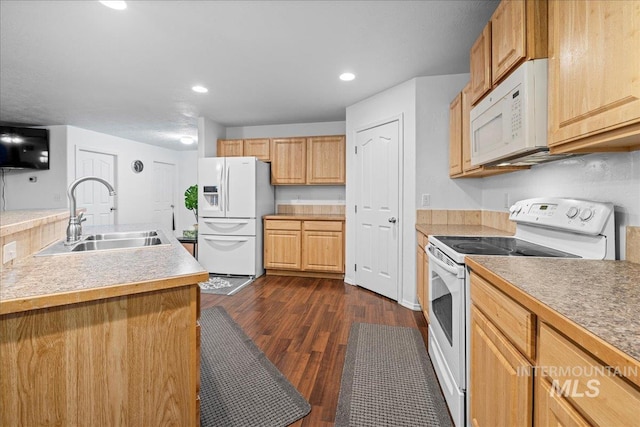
<point>326,160</point>
<point>425,287</point>
<point>259,148</point>
<point>466,129</point>
<point>508,46</point>
<point>455,136</point>
<point>420,276</point>
<point>282,249</point>
<point>230,148</point>
<point>480,65</point>
<point>594,75</point>
<point>323,251</point>
<point>553,410</point>
<point>288,161</point>
<point>501,378</point>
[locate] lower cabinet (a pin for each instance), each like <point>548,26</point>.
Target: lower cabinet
<point>501,378</point>
<point>422,276</point>
<point>304,247</point>
<point>511,345</point>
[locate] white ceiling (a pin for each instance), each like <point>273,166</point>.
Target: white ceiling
<point>129,73</point>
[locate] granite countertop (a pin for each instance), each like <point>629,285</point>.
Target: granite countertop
<point>39,282</point>
<point>307,217</point>
<point>460,230</point>
<point>602,297</point>
<point>15,221</point>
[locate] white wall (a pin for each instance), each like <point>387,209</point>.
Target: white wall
<point>434,94</point>
<point>208,134</point>
<point>608,177</point>
<point>304,194</point>
<point>135,191</point>
<point>49,191</point>
<point>397,102</point>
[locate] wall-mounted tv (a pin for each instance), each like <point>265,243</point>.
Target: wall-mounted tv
<point>24,148</point>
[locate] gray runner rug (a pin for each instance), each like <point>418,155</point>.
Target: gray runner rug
<point>239,386</point>
<point>388,380</point>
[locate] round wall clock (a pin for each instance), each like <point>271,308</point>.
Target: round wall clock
<point>137,166</point>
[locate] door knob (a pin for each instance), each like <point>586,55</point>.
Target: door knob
<point>113,209</point>
<point>392,220</point>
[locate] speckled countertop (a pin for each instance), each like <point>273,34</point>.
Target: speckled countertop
<point>602,297</point>
<point>306,217</point>
<point>38,282</point>
<point>15,221</point>
<point>460,230</point>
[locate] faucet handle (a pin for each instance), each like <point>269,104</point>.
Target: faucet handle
<point>81,218</point>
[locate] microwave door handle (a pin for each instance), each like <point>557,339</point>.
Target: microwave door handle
<point>452,270</point>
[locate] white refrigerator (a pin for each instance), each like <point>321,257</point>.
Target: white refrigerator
<point>233,195</point>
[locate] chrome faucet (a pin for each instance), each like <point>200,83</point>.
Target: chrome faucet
<point>74,229</point>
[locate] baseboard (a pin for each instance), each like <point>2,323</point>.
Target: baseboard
<point>410,305</point>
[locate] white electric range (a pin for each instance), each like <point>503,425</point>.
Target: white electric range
<point>545,227</point>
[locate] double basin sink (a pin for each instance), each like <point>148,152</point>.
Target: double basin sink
<point>108,241</point>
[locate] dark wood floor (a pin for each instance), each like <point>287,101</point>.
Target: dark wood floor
<point>302,325</point>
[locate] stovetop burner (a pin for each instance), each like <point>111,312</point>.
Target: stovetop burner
<point>504,246</point>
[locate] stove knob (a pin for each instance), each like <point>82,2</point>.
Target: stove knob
<point>586,214</point>
<point>572,212</point>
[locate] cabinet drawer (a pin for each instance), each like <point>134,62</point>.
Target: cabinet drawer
<point>322,225</point>
<point>515,321</point>
<point>278,224</point>
<point>585,383</point>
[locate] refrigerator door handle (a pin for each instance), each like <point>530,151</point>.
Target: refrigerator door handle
<point>222,239</point>
<point>213,221</point>
<point>221,191</point>
<point>227,183</point>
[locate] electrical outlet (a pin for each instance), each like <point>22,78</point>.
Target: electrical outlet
<point>426,200</point>
<point>9,252</point>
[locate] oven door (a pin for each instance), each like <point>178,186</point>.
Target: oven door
<point>447,311</point>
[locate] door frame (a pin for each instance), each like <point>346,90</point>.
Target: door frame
<point>400,271</point>
<point>99,150</point>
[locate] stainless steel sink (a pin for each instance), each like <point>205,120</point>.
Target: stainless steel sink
<point>98,245</point>
<point>122,235</point>
<point>108,241</point>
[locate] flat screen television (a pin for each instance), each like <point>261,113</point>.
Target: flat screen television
<point>24,148</point>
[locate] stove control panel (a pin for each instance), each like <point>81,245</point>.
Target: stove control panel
<point>580,216</point>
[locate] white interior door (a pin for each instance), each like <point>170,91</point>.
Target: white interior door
<point>92,195</point>
<point>164,194</point>
<point>377,210</point>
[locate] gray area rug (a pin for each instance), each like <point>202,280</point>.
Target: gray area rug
<point>224,285</point>
<point>239,386</point>
<point>388,380</point>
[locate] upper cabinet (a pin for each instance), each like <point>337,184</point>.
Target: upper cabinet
<point>594,76</point>
<point>480,64</point>
<point>317,160</point>
<point>326,160</point>
<point>230,148</point>
<point>288,161</point>
<point>516,32</point>
<point>455,136</point>
<point>258,147</point>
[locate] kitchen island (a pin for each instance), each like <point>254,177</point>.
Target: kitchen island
<point>101,337</point>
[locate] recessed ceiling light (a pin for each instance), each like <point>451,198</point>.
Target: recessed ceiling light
<point>200,89</point>
<point>187,140</point>
<point>347,77</point>
<point>115,4</point>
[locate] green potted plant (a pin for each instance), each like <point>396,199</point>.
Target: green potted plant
<point>191,203</point>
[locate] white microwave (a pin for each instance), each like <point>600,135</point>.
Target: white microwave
<point>510,124</point>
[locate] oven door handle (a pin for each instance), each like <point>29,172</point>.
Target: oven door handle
<point>447,267</point>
